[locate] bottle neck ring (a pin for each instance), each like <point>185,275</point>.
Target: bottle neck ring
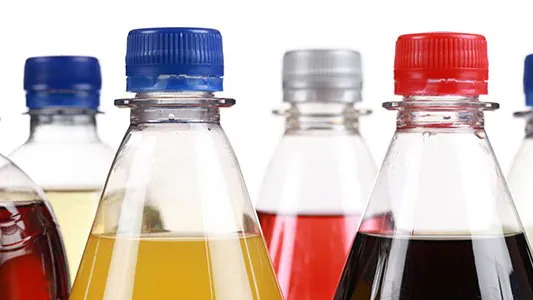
<point>528,116</point>
<point>63,125</point>
<point>307,117</point>
<point>440,111</point>
<point>347,96</point>
<point>175,107</point>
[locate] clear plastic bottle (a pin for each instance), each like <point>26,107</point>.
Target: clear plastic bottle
<point>321,174</point>
<point>64,154</point>
<point>440,223</point>
<point>175,220</point>
<point>33,264</point>
<point>522,169</point>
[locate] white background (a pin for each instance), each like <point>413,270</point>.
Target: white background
<point>256,34</point>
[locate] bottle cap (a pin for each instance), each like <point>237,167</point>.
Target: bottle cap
<point>333,75</point>
<point>441,63</point>
<point>174,59</point>
<point>528,79</point>
<point>62,81</point>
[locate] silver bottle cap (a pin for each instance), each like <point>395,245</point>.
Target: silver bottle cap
<point>322,76</point>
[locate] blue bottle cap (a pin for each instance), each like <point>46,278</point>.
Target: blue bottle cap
<point>174,59</point>
<point>62,81</point>
<point>528,79</point>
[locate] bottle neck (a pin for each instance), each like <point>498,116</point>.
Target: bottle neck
<point>174,107</point>
<point>529,122</point>
<point>311,117</point>
<point>440,112</point>
<point>68,125</point>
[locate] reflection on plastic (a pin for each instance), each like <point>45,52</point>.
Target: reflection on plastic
<point>313,195</point>
<point>306,263</point>
<point>175,209</point>
<point>32,262</point>
<point>170,267</point>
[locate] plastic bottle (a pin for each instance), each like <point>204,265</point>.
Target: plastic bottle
<point>33,264</point>
<point>321,174</point>
<point>63,153</point>
<point>175,220</point>
<point>440,223</point>
<point>521,173</point>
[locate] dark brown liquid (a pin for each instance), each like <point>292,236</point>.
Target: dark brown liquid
<point>32,258</point>
<point>397,268</point>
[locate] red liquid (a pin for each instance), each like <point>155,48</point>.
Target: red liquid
<point>308,252</point>
<point>32,259</point>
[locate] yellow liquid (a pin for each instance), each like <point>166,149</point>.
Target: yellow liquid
<point>75,211</point>
<point>168,267</point>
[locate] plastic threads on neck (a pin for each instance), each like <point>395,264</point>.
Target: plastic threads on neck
<point>174,59</point>
<point>62,81</point>
<point>441,63</point>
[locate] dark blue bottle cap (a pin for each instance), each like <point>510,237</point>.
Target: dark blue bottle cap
<point>62,81</point>
<point>174,59</point>
<point>528,79</point>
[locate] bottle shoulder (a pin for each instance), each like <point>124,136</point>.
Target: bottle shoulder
<point>186,171</point>
<point>322,156</point>
<point>524,156</point>
<point>519,179</point>
<point>15,184</point>
<point>62,151</point>
<point>318,174</point>
<point>63,166</point>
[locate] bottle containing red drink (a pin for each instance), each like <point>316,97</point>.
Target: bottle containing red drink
<point>440,223</point>
<point>33,264</point>
<point>321,174</point>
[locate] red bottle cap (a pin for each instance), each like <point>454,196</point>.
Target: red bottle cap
<point>441,63</point>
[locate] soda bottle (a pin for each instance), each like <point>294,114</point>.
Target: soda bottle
<point>63,153</point>
<point>440,223</point>
<point>321,174</point>
<point>32,258</point>
<point>175,220</point>
<point>521,172</point>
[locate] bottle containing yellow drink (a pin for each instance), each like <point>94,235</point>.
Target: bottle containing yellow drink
<point>64,154</point>
<point>175,220</point>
